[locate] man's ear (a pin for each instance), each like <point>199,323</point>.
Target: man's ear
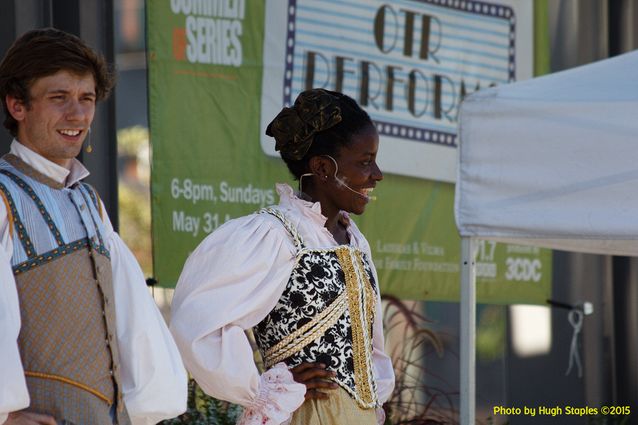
<point>321,167</point>
<point>16,107</point>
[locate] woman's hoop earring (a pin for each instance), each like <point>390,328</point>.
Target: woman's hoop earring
<point>301,178</point>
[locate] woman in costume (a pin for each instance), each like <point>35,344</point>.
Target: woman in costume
<point>300,275</point>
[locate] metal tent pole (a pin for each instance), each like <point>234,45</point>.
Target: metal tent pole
<point>468,330</point>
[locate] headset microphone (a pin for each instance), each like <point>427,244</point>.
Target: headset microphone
<point>341,182</point>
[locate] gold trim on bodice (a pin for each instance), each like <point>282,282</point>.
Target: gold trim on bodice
<point>299,339</point>
<point>361,303</point>
<point>358,300</point>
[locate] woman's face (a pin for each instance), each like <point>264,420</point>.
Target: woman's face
<point>357,172</point>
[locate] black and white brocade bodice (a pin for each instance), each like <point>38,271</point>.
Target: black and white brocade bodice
<point>325,315</point>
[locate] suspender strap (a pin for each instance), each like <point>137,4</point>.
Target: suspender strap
<point>84,188</point>
<point>14,220</point>
<point>38,202</point>
<point>94,198</point>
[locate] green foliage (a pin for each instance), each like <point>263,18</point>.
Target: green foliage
<point>491,333</point>
<point>419,396</point>
<point>132,140</point>
<point>134,194</point>
<point>205,410</point>
<point>135,224</point>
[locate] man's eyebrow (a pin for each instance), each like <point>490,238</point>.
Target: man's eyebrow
<point>65,91</point>
<point>57,91</point>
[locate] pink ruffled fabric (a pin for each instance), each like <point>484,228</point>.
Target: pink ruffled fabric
<point>279,396</point>
<point>380,415</point>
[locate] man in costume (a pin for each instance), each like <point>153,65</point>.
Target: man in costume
<point>81,340</point>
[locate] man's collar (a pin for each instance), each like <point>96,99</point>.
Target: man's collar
<point>66,177</point>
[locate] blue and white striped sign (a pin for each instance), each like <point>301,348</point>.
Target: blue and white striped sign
<point>409,63</point>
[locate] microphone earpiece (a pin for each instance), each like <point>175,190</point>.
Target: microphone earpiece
<point>341,182</point>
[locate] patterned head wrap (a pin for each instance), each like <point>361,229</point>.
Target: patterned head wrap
<point>294,128</point>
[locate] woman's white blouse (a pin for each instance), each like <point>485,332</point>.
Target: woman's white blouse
<point>233,280</point>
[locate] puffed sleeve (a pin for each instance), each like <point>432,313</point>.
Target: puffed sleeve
<point>229,284</point>
<point>382,362</point>
<point>13,387</point>
<point>154,382</point>
<point>383,370</point>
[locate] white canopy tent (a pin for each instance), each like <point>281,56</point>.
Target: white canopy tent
<point>551,162</point>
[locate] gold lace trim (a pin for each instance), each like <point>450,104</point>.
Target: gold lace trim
<point>309,332</point>
<point>359,299</point>
<point>361,306</point>
<point>287,225</point>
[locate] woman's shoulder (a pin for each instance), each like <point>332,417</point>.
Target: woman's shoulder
<point>248,229</point>
<point>254,220</point>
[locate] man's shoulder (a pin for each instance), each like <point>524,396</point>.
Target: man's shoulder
<point>5,167</point>
<point>93,195</point>
<point>88,187</point>
<point>4,164</point>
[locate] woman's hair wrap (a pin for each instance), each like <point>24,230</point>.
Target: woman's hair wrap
<point>294,128</point>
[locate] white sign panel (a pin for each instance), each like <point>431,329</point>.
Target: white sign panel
<point>409,63</point>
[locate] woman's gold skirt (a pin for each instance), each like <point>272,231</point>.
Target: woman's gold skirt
<point>338,409</point>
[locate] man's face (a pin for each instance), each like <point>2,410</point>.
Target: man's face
<point>59,115</point>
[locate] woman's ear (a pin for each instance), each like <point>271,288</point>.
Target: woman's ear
<point>322,167</point>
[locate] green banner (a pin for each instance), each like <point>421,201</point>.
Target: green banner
<point>204,81</point>
<point>220,71</point>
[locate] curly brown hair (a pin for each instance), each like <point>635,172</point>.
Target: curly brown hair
<point>43,52</point>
